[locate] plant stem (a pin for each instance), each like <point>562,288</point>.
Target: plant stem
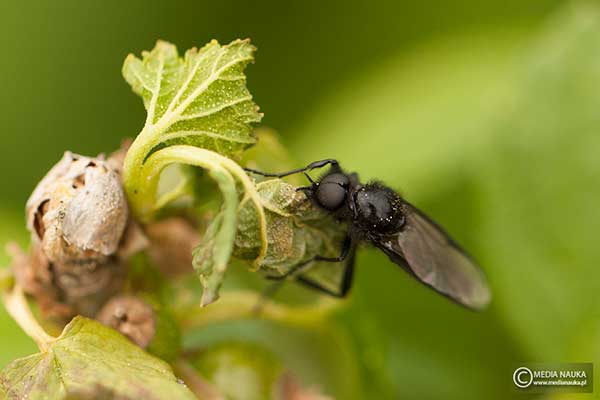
<point>142,202</point>
<point>18,308</point>
<point>150,172</point>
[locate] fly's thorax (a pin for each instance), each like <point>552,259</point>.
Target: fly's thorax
<point>378,208</point>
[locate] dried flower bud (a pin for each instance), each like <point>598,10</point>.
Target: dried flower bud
<point>134,240</point>
<point>77,216</point>
<point>78,212</point>
<point>149,326</point>
<point>64,290</point>
<point>132,317</point>
<point>172,243</point>
<point>86,287</point>
<point>34,274</point>
<point>117,157</point>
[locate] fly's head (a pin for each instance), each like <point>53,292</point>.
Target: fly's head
<point>331,192</point>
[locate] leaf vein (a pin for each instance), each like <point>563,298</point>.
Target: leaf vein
<point>201,88</point>
<point>186,84</point>
<point>214,110</point>
<point>156,91</point>
<point>213,135</point>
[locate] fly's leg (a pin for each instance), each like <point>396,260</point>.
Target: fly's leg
<point>309,167</point>
<point>347,249</point>
<point>345,285</point>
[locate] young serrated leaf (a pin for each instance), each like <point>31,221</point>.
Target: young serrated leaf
<point>91,361</point>
<point>199,100</point>
<point>213,253</point>
<point>296,229</point>
<point>155,77</point>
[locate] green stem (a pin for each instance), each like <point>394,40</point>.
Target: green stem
<point>143,182</point>
<point>140,199</point>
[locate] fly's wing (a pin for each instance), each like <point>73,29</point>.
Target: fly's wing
<point>427,252</point>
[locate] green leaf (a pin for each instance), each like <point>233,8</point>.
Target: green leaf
<point>91,361</point>
<point>212,256</point>
<point>296,229</point>
<point>199,113</point>
<point>199,100</point>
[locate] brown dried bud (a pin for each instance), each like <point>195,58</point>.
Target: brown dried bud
<point>172,242</point>
<point>34,274</point>
<point>117,157</point>
<point>134,240</point>
<point>132,317</point>
<point>64,290</point>
<point>78,212</point>
<point>86,287</point>
<point>77,216</point>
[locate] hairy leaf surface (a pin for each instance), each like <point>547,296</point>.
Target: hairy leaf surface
<point>296,231</point>
<point>201,99</point>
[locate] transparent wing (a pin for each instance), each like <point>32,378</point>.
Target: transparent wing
<point>427,252</point>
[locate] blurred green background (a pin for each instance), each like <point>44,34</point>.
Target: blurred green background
<point>484,114</point>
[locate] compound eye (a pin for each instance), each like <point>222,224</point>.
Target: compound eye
<point>330,195</point>
<point>339,178</point>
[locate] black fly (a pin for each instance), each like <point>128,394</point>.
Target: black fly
<point>378,215</point>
